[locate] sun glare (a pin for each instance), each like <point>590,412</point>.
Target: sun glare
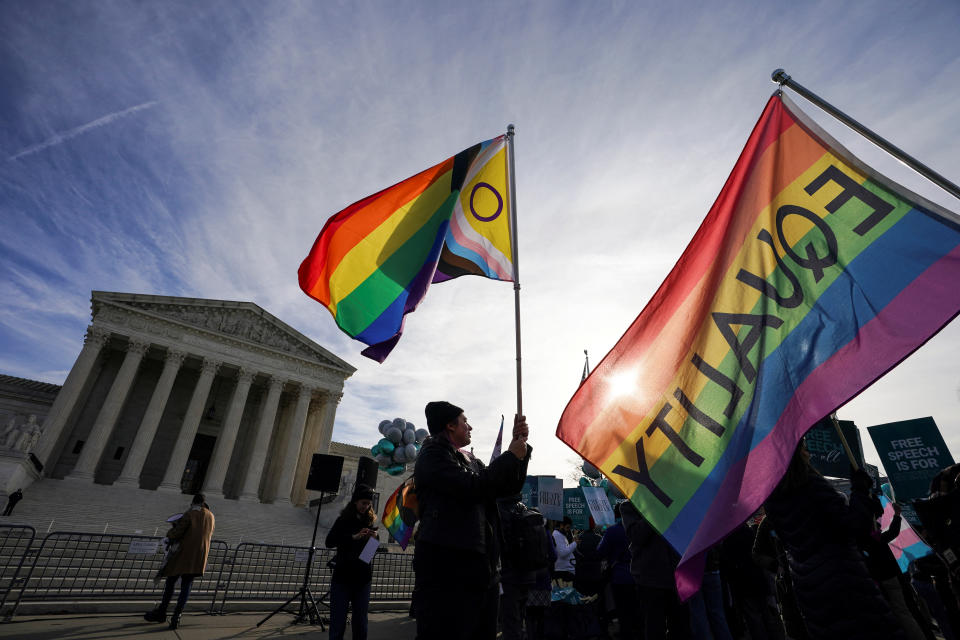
<point>623,384</point>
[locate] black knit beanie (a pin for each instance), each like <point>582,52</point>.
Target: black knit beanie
<point>440,414</point>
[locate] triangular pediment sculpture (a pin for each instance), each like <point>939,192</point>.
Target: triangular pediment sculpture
<point>241,320</point>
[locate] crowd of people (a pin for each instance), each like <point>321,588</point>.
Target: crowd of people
<point>811,564</point>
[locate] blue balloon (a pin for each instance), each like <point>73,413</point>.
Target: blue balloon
<point>585,482</point>
<point>386,446</point>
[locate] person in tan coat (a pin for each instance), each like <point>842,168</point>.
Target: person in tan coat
<point>193,531</point>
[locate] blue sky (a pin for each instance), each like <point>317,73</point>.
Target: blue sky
<point>196,148</point>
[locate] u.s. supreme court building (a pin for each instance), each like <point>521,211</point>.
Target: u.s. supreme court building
<point>177,396</point>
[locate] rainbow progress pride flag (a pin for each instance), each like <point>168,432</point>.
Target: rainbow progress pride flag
<point>810,278</point>
<point>399,513</point>
<point>373,261</point>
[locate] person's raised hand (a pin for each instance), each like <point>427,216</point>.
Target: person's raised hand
<point>520,429</point>
<point>518,446</point>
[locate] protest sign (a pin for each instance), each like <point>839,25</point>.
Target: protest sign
<point>912,453</point>
<point>826,450</point>
<point>143,547</point>
<point>575,508</point>
<point>528,495</point>
<point>599,505</point>
<point>874,472</point>
<point>550,497</point>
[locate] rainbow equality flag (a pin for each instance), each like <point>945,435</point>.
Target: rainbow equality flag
<point>907,546</point>
<point>373,261</point>
<point>400,513</point>
<point>810,278</point>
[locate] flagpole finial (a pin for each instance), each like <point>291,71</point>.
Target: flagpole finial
<point>779,76</point>
<point>510,130</point>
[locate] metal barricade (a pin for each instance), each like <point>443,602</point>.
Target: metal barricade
<point>393,576</point>
<point>15,545</point>
<point>90,566</point>
<point>73,566</point>
<point>273,573</point>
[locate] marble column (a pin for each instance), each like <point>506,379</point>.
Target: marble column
<point>69,395</point>
<point>133,465</point>
<point>223,449</point>
<point>188,431</point>
<point>310,438</point>
<point>261,440</point>
<point>326,426</point>
<point>103,426</point>
<point>291,453</point>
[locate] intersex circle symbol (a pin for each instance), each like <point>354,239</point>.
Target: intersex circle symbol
<point>473,210</point>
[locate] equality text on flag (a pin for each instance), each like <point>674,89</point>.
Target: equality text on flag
<point>810,277</point>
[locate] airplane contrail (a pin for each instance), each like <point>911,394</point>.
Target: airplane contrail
<point>73,133</point>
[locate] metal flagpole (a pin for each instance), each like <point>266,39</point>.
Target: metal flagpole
<point>514,246</point>
<point>780,77</point>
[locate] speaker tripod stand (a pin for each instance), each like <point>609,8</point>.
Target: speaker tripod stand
<point>308,612</point>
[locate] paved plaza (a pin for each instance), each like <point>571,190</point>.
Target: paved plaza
<point>384,625</point>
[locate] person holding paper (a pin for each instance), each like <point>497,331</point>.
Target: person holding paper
<point>350,583</point>
<point>192,532</point>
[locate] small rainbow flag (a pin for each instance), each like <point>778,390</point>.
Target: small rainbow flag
<point>373,261</point>
<point>400,513</point>
<point>810,277</point>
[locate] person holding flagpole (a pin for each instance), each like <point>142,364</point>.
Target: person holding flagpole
<point>458,544</point>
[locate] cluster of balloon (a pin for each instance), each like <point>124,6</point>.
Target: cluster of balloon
<point>399,445</point>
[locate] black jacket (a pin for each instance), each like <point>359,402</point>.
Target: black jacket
<point>350,569</point>
<point>652,559</point>
<point>836,595</point>
<point>459,523</point>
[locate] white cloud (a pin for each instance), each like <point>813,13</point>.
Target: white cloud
<point>262,123</point>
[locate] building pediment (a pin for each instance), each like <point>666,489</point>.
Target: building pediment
<point>243,321</point>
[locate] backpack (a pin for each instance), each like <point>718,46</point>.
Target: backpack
<point>525,538</point>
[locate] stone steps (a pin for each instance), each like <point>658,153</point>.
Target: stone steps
<point>75,505</point>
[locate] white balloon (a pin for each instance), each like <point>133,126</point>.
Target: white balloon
<point>411,451</point>
<point>399,455</point>
<point>410,426</point>
<point>409,436</point>
<point>384,425</point>
<point>400,423</point>
<point>422,435</point>
<point>384,460</point>
<point>394,435</point>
